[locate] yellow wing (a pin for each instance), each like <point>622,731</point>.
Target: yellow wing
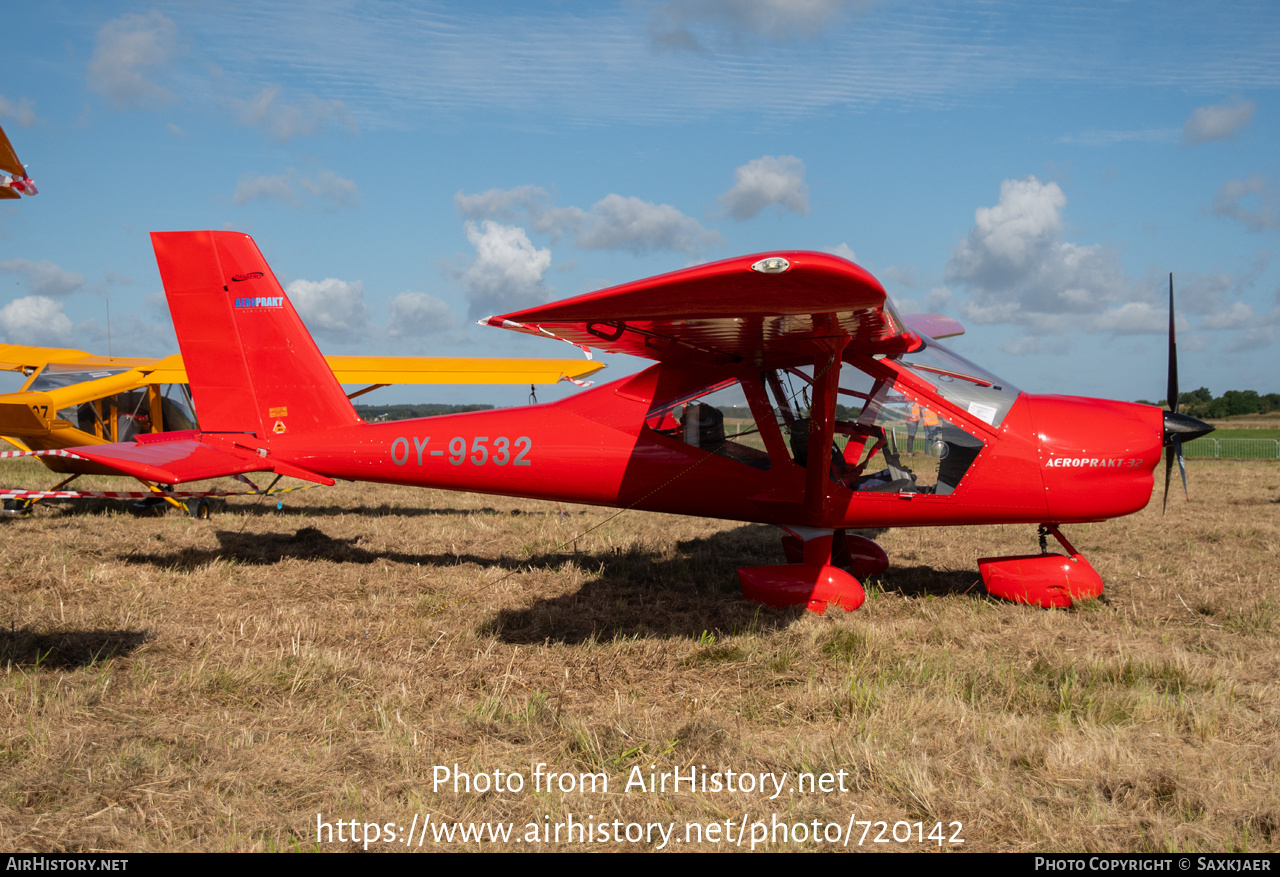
<point>71,398</point>
<point>456,370</point>
<point>383,370</point>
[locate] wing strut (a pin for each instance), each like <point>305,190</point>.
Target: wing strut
<point>822,428</point>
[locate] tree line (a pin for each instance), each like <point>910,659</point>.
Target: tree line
<point>380,413</point>
<point>1202,403</point>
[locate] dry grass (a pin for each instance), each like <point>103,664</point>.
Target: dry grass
<point>168,684</point>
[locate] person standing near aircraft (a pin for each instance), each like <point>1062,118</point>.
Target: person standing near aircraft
<point>917,414</point>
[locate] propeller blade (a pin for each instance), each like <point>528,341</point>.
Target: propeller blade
<point>1182,466</point>
<point>1177,427</point>
<point>1171,393</point>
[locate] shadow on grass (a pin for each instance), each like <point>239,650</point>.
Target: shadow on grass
<point>679,591</point>
<point>66,649</point>
<point>263,507</point>
<point>925,581</point>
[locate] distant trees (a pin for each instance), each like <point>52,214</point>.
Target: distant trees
<point>1202,403</point>
<point>378,413</point>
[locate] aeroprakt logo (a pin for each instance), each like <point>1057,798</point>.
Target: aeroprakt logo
<point>266,301</point>
<point>1093,462</point>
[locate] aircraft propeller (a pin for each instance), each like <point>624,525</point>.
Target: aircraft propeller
<point>1177,427</point>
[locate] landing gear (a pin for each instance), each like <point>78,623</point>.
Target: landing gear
<point>1052,581</point>
<point>17,507</point>
<point>814,579</point>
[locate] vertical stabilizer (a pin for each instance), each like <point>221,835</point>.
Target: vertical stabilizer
<point>251,363</point>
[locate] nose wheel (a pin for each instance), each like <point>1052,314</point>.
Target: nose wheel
<point>1049,580</point>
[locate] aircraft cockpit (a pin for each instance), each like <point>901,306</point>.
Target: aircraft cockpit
<point>117,417</point>
<point>890,437</point>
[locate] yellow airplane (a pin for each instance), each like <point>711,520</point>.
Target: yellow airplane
<point>71,398</point>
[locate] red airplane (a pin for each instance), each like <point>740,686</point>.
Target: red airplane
<point>781,386</point>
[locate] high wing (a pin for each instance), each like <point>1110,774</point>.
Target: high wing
<point>387,370</point>
<point>383,370</point>
<point>20,357</point>
<point>764,308</point>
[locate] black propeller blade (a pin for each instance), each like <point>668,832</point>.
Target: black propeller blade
<point>1177,427</point>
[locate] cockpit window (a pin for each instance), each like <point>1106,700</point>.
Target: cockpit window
<point>56,375</point>
<point>885,441</point>
<point>965,385</point>
<point>121,416</point>
<point>898,445</point>
<point>716,419</point>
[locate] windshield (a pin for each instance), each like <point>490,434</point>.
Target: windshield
<point>57,375</point>
<point>965,385</point>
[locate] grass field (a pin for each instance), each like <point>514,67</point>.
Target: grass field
<point>1250,422</point>
<point>169,684</point>
<point>1256,433</point>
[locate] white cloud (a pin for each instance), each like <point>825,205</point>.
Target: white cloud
<point>615,222</point>
<point>505,204</point>
<point>1218,122</point>
<point>330,307</point>
<point>279,188</point>
<point>416,313</point>
<point>128,49</point>
<point>1251,201</point>
<point>938,298</point>
<point>1018,269</point>
<point>1252,339</point>
<point>1240,315</point>
<point>44,278</point>
<point>35,319</point>
<point>1035,345</point>
<point>507,272</point>
<point>23,111</point>
<point>843,251</point>
<point>1109,138</point>
<point>619,223</point>
<point>326,190</point>
<point>284,121</point>
<point>1134,318</point>
<point>673,23</point>
<point>768,180</point>
<point>901,275</point>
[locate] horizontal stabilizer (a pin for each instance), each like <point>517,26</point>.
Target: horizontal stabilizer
<point>175,462</point>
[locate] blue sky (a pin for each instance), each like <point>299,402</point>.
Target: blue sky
<point>1034,171</point>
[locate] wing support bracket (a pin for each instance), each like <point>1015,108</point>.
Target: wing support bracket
<point>822,428</point>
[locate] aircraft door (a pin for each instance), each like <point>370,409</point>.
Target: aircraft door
<point>887,439</point>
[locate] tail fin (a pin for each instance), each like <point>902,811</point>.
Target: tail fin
<point>250,361</point>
